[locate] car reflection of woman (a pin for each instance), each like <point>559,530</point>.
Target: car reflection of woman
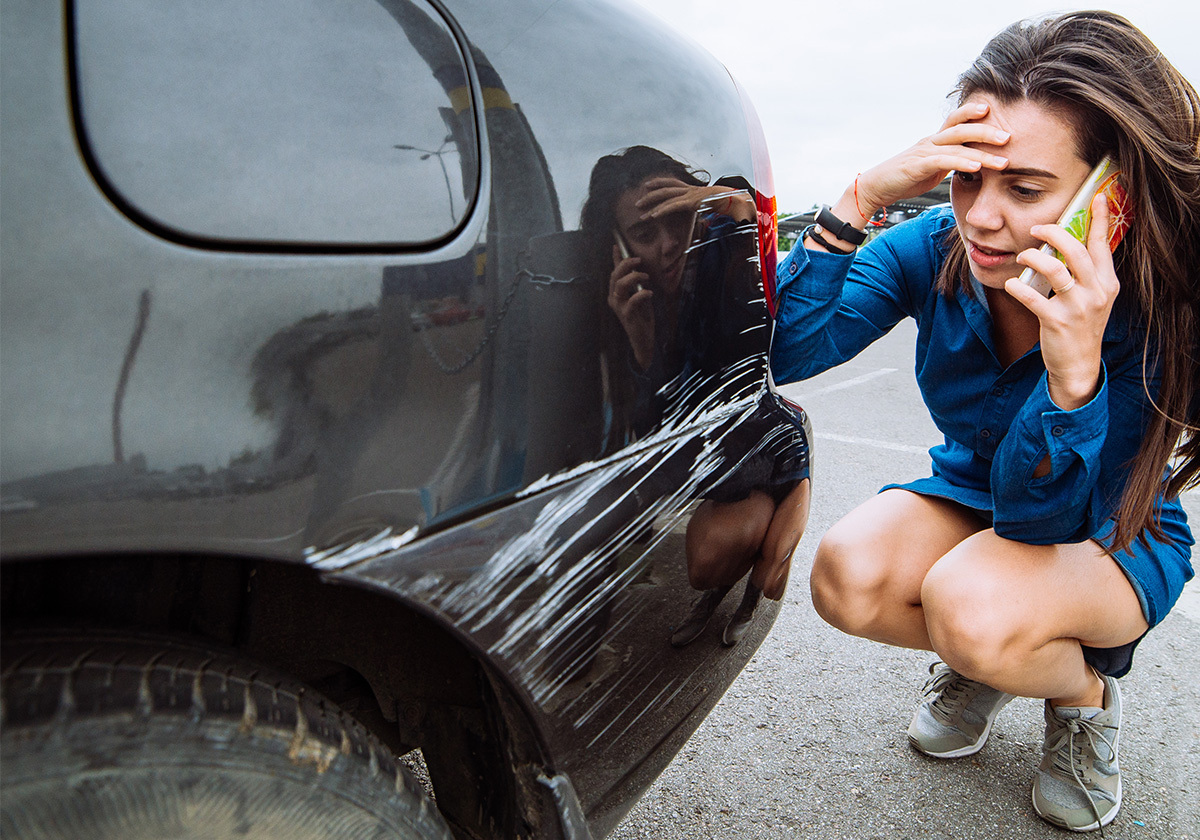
<point>641,211</point>
<point>1050,536</point>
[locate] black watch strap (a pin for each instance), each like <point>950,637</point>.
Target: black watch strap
<point>842,230</point>
<point>813,232</point>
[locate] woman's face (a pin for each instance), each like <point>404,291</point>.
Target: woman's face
<point>996,208</point>
<point>661,243</point>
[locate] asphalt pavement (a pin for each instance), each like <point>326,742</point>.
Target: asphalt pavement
<point>810,742</point>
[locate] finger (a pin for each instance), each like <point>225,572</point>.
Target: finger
<point>664,204</point>
<point>682,204</point>
<point>625,306</point>
<point>622,268</point>
<point>1075,261</point>
<point>663,181</point>
<point>1056,272</point>
<point>975,132</point>
<point>966,111</point>
<point>1099,249</point>
<point>1027,297</point>
<point>963,158</point>
<point>642,295</point>
<point>1098,232</point>
<point>629,284</point>
<point>657,194</point>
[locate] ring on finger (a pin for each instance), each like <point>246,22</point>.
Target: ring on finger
<point>1070,283</point>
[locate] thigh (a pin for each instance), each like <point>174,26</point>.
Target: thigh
<point>787,526</point>
<point>1036,592</point>
<point>892,540</point>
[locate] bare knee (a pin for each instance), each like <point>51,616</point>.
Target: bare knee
<point>970,620</point>
<point>849,583</point>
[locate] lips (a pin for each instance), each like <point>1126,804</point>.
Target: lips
<point>674,270</point>
<point>988,257</point>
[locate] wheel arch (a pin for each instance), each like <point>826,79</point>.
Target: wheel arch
<point>409,678</point>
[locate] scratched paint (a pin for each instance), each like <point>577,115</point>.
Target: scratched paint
<point>578,601</point>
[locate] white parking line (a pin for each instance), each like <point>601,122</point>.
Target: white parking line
<point>839,386</point>
<point>877,444</point>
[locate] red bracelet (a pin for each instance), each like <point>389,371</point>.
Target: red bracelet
<point>866,218</point>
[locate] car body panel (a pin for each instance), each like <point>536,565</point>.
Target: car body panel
<point>433,421</point>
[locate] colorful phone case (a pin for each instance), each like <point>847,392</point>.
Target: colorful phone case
<point>1077,218</point>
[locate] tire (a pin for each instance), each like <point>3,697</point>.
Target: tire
<point>132,739</point>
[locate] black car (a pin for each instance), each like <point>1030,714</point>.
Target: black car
<point>343,414</point>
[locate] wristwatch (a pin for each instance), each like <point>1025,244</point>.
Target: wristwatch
<point>813,232</point>
<point>842,230</point>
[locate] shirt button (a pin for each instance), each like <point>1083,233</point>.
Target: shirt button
<point>998,391</point>
<point>792,268</point>
<point>985,433</point>
<point>1058,431</point>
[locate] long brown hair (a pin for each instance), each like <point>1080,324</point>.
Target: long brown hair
<point>1124,99</point>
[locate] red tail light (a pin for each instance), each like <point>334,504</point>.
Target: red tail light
<point>764,199</point>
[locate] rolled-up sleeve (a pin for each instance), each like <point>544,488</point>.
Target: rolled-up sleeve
<point>1067,503</point>
<point>831,306</point>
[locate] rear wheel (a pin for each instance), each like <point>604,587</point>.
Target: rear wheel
<point>131,739</point>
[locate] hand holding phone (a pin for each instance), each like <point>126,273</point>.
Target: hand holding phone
<point>1077,218</point>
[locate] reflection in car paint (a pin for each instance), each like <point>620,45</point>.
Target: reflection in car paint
<point>459,430</point>
<point>601,555</point>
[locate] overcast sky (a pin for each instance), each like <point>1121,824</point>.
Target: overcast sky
<point>840,86</point>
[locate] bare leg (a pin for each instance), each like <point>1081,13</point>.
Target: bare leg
<point>774,562</point>
<point>1014,616</point>
<point>924,573</point>
<point>869,567</point>
<point>723,539</point>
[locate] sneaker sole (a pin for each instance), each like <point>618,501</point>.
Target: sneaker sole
<point>969,749</point>
<point>1092,826</point>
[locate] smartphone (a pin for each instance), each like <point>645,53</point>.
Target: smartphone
<point>623,249</point>
<point>622,245</point>
<point>1077,218</point>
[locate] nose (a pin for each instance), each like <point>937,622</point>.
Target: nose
<point>985,212</point>
<point>672,235</point>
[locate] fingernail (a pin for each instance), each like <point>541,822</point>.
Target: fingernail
<point>1002,136</point>
<point>999,161</point>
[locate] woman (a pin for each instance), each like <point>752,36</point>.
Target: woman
<point>678,323</point>
<point>1050,537</point>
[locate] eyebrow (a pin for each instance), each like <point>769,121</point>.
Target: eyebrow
<point>1028,172</point>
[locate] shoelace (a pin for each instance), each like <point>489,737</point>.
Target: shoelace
<point>954,693</point>
<point>1072,757</point>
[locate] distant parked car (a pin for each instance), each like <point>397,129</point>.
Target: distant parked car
<point>328,433</point>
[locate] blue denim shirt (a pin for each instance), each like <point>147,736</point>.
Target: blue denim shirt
<point>999,423</point>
